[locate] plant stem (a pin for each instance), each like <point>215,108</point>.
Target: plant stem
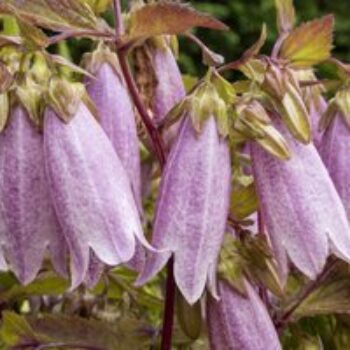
<point>75,34</point>
<point>157,142</point>
<point>304,293</point>
<point>147,120</point>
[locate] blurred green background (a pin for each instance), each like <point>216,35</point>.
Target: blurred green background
<point>245,18</point>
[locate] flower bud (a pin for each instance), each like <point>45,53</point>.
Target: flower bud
<point>27,219</point>
<point>91,192</point>
<point>192,208</point>
<point>238,322</point>
<point>295,196</point>
<point>170,88</point>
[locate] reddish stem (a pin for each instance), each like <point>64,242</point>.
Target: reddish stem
<point>157,142</point>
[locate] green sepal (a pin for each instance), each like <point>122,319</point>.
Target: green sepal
<point>4,110</point>
<point>244,201</point>
<point>65,97</point>
<point>254,123</point>
<point>342,100</point>
<point>189,316</point>
<point>30,94</point>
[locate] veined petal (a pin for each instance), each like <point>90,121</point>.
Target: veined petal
<point>91,192</point>
<point>236,322</point>
<point>30,225</point>
<point>335,154</point>
<point>317,107</point>
<point>117,118</point>
<point>170,89</point>
<point>192,208</point>
<point>294,197</point>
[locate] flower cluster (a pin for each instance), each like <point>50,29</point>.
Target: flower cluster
<point>247,195</point>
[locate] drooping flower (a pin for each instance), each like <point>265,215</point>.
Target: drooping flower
<point>90,191</point>
<point>160,81</point>
<point>116,113</point>
<point>334,152</point>
<point>295,196</point>
<point>170,88</point>
<point>315,103</point>
<point>192,207</point>
<point>237,322</point>
<point>27,219</point>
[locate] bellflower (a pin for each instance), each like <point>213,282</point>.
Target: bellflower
<point>28,224</point>
<point>192,207</point>
<point>116,113</point>
<point>90,191</point>
<point>295,196</point>
<point>334,152</point>
<point>237,322</point>
<point>170,88</point>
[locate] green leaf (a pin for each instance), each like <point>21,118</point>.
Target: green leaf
<point>309,44</point>
<point>15,330</point>
<point>47,283</point>
<point>124,334</point>
<point>332,296</point>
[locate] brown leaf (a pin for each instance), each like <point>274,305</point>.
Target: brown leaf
<point>55,14</point>
<point>167,17</point>
<point>309,44</point>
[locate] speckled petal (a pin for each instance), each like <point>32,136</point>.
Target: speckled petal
<point>117,118</point>
<point>335,154</point>
<point>295,196</point>
<point>240,323</point>
<point>91,192</point>
<point>30,224</point>
<point>170,89</point>
<point>192,208</point>
<point>318,106</point>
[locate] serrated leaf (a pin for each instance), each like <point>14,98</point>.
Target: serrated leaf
<point>285,15</point>
<point>333,296</point>
<point>15,330</point>
<point>46,283</point>
<point>166,17</point>
<point>124,334</point>
<point>55,14</point>
<point>309,44</point>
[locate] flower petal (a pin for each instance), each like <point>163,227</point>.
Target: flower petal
<point>117,119</point>
<point>295,196</point>
<point>192,208</point>
<point>91,192</point>
<point>29,224</point>
<point>240,323</point>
